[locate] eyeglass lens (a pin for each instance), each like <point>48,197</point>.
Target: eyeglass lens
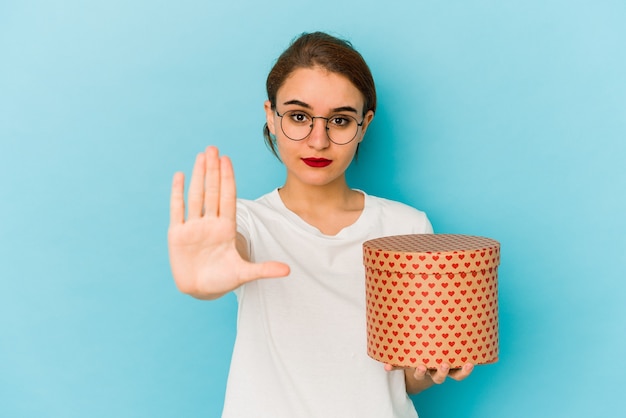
<point>297,125</point>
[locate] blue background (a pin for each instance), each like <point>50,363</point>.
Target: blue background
<point>502,119</point>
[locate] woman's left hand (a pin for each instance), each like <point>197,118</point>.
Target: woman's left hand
<point>420,377</point>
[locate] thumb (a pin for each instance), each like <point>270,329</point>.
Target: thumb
<point>266,270</point>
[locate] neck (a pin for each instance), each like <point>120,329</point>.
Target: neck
<point>329,208</point>
<point>335,194</point>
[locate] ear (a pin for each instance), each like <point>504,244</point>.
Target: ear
<point>269,117</point>
<point>367,119</point>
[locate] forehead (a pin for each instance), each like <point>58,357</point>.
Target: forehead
<point>320,89</point>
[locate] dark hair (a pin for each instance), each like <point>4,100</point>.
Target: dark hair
<point>326,51</point>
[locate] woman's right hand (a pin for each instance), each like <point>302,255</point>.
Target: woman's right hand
<point>203,248</point>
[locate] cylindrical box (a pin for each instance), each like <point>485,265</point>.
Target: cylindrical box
<point>432,298</point>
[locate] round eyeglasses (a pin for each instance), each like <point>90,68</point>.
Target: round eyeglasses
<point>297,125</point>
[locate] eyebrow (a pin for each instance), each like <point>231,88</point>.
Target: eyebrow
<point>307,106</point>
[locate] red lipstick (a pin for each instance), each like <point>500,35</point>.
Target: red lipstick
<point>317,162</point>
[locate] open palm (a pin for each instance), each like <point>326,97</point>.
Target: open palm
<point>207,256</point>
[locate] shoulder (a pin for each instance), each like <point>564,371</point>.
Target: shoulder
<point>395,207</point>
<point>262,211</point>
<point>400,213</point>
<point>265,202</point>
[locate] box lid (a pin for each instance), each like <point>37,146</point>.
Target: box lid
<point>431,253</point>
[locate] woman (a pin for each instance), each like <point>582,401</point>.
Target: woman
<point>301,340</point>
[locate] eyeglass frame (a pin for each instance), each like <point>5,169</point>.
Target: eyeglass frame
<point>359,125</point>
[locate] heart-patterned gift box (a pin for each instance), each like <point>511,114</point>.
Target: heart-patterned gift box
<point>432,298</point>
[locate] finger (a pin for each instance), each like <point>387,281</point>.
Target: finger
<point>421,372</point>
<point>439,375</point>
<point>212,182</point>
<point>389,367</point>
<point>196,188</point>
<point>266,270</point>
<point>228,190</point>
<point>177,200</point>
<point>271,269</point>
<point>461,373</point>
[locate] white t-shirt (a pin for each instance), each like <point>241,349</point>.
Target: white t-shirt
<point>301,346</point>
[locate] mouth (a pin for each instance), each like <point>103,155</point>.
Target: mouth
<point>316,162</point>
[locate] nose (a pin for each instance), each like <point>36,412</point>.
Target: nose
<point>318,138</point>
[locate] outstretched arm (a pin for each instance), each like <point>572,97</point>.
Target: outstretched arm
<point>207,256</point>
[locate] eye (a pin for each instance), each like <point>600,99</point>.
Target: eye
<point>298,117</point>
<point>340,121</point>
